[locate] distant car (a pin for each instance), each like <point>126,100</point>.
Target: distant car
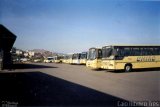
<point>37,60</point>
<point>49,60</point>
<point>23,59</point>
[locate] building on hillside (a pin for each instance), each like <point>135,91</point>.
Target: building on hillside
<point>26,54</point>
<point>31,53</point>
<point>19,52</point>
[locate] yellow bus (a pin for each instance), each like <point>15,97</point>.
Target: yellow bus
<point>94,58</point>
<point>121,57</point>
<point>83,58</point>
<point>70,58</point>
<point>67,59</point>
<point>58,59</point>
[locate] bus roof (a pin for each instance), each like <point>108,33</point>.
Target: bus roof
<point>94,48</point>
<point>133,45</point>
<point>50,57</point>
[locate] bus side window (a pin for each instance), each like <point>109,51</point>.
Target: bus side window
<point>78,56</point>
<point>115,52</point>
<point>118,54</point>
<point>99,54</point>
<point>121,52</point>
<point>156,51</point>
<point>135,51</point>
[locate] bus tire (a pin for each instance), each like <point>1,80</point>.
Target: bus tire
<point>128,68</point>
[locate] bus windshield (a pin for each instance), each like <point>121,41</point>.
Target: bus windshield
<point>50,58</point>
<point>58,57</point>
<point>70,56</point>
<point>94,53</point>
<point>76,56</point>
<point>83,55</point>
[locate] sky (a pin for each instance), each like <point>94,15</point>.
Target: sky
<point>69,26</point>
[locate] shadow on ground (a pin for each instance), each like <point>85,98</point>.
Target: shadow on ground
<point>29,66</point>
<point>99,69</point>
<point>39,89</point>
<point>136,70</point>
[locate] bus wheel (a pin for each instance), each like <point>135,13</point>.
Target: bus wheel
<point>128,68</point>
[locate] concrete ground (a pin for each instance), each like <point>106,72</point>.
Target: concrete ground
<point>50,84</point>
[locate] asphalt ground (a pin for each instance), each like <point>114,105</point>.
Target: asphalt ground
<point>50,84</point>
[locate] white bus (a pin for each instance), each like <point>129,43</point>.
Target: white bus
<point>49,60</point>
<point>76,58</point>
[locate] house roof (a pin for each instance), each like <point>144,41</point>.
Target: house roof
<point>7,38</point>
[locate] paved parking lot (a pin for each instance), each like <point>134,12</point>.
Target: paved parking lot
<point>76,85</point>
